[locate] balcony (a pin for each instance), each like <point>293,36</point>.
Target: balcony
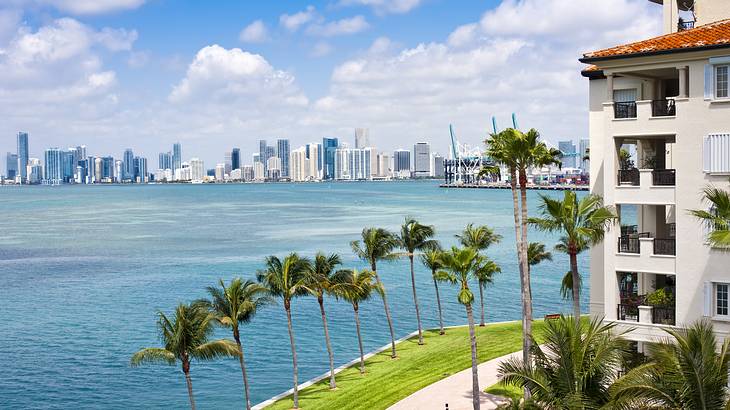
<point>646,186</point>
<point>656,315</point>
<point>623,110</point>
<point>640,253</point>
<point>663,108</point>
<point>667,247</point>
<point>663,177</point>
<point>627,312</point>
<point>629,177</point>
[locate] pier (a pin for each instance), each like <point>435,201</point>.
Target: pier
<point>552,187</point>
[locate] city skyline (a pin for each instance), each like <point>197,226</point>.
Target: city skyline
<point>108,75</point>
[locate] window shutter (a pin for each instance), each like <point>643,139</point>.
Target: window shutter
<point>716,153</point>
<point>709,82</point>
<point>708,300</point>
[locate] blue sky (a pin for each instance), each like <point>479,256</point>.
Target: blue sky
<point>213,75</point>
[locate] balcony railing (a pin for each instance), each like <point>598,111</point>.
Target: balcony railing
<point>624,109</point>
<point>630,243</point>
<point>663,315</point>
<point>665,246</point>
<point>663,108</point>
<point>685,25</point>
<point>629,177</point>
<point>627,230</point>
<point>663,177</point>
<point>627,312</point>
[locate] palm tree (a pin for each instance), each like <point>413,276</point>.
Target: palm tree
<point>485,276</point>
<point>284,279</point>
<point>355,287</point>
<point>317,282</point>
<point>519,152</point>
<point>185,337</point>
<point>432,260</point>
<point>461,265</point>
<point>415,237</point>
<point>377,245</point>
<point>481,238</point>
<point>234,305</point>
<point>717,219</point>
<point>478,237</point>
<point>685,373</point>
<point>536,254</point>
<point>583,223</point>
<point>575,366</point>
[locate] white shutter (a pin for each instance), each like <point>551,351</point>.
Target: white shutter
<point>716,153</point>
<point>708,300</point>
<point>709,82</point>
<point>625,95</point>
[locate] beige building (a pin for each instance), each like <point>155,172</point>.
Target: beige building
<point>659,132</point>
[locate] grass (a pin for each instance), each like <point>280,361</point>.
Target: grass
<point>509,391</point>
<point>387,380</point>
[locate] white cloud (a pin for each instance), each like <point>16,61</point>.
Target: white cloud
<point>463,35</point>
<point>255,32</point>
<point>294,21</point>
<point>116,39</point>
<point>339,27</point>
<point>380,45</point>
<point>386,6</point>
<point>225,75</point>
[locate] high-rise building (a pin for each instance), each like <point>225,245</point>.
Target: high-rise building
<point>247,173</point>
<point>128,158</point>
<point>165,160</point>
<point>402,163</point>
<point>176,156</point>
<point>67,164</point>
<point>273,168</point>
<point>438,166</point>
<point>235,159</point>
<point>220,172</point>
<point>118,170</point>
<point>583,152</point>
<point>98,170</point>
<point>299,165</point>
<point>313,153</point>
<point>11,166</point>
<point>22,155</point>
<point>197,169</point>
<point>53,170</point>
<point>680,142</point>
<point>107,168</point>
<point>258,171</point>
<point>282,152</point>
<point>329,146</point>
<point>385,169</point>
<point>140,169</point>
<point>342,163</point>
<point>567,148</point>
<point>362,137</point>
<point>35,171</point>
<point>228,162</point>
<point>421,159</point>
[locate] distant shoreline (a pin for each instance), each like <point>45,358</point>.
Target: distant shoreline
<point>505,186</point>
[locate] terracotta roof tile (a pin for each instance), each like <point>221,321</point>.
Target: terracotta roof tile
<point>713,34</point>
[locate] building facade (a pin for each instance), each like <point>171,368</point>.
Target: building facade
<point>362,137</point>
<point>568,153</point>
<point>329,146</point>
<point>402,163</point>
<point>22,153</point>
<point>53,166</point>
<point>421,159</point>
<point>659,123</point>
<point>282,152</point>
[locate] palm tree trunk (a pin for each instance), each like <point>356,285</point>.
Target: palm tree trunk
<point>293,354</point>
<point>576,285</point>
<point>526,323</point>
<point>359,338</point>
<point>438,302</point>
<point>246,390</point>
<point>387,313</point>
<point>481,300</point>
<point>475,391</point>
<point>415,301</point>
<point>333,385</point>
<point>189,382</point>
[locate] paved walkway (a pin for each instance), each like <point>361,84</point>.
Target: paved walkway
<point>456,390</point>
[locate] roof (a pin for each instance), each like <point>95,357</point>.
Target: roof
<point>708,36</point>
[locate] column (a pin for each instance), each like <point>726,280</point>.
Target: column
<point>682,82</point>
<point>609,87</point>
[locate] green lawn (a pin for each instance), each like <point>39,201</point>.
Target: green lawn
<point>506,390</point>
<point>389,380</point>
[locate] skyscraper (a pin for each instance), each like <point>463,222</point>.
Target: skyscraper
<point>402,163</point>
<point>67,160</point>
<point>282,152</point>
<point>329,146</point>
<point>176,157</point>
<point>263,153</point>
<point>362,137</point>
<point>107,168</point>
<point>23,155</point>
<point>228,162</point>
<point>140,169</point>
<point>128,159</point>
<point>164,161</point>
<point>197,169</point>
<point>421,159</point>
<point>438,166</point>
<point>567,148</point>
<point>53,174</point>
<point>236,159</point>
<point>11,165</point>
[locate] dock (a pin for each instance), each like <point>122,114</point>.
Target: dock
<point>506,186</point>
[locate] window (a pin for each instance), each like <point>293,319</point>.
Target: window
<point>721,81</point>
<point>721,299</point>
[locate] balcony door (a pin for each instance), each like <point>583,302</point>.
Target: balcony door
<point>625,95</point>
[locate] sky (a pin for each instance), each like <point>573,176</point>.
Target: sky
<point>213,75</point>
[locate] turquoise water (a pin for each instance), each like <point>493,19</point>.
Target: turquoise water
<point>84,268</point>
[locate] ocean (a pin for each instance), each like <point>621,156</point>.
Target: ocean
<point>83,269</point>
